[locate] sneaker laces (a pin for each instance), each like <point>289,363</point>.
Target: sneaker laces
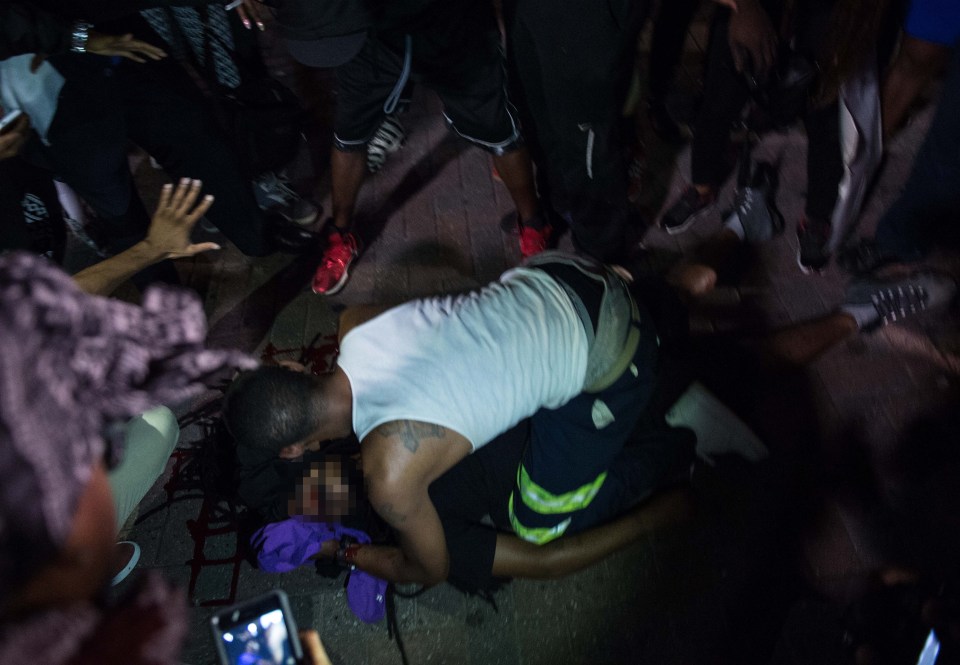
<point>276,187</point>
<point>899,301</point>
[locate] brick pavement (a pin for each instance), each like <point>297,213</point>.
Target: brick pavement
<point>737,582</point>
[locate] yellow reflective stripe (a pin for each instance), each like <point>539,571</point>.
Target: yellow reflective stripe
<point>546,503</point>
<point>537,536</point>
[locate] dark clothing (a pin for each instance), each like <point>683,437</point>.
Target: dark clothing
<point>27,29</point>
<point>455,50</point>
<point>573,63</point>
<point>927,208</point>
<point>30,211</point>
<point>103,105</point>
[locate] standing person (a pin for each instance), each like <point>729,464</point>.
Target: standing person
<point>454,47</point>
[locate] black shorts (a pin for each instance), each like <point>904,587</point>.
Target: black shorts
<point>455,49</point>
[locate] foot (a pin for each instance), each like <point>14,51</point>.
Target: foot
<point>813,236</point>
<point>684,212</point>
<point>876,302</point>
<point>126,555</point>
<point>864,257</point>
<point>755,217</point>
<point>535,238</point>
<point>719,431</point>
<point>388,139</point>
<point>332,274</point>
<point>274,195</point>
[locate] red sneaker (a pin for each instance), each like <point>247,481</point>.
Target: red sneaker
<point>334,269</point>
<point>533,241</point>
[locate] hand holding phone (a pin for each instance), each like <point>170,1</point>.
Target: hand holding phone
<point>259,631</point>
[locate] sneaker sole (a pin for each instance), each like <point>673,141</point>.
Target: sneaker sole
<point>808,270</point>
<point>690,221</point>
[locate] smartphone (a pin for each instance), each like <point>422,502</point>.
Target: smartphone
<point>9,119</point>
<point>259,631</point>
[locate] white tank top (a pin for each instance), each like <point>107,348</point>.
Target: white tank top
<point>476,363</point>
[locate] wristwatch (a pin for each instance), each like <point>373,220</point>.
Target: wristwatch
<point>79,37</point>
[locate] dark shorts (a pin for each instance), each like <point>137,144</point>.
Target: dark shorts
<point>456,53</point>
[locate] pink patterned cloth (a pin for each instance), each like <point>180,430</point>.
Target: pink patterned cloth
<point>73,368</point>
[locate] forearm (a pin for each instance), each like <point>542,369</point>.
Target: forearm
<point>389,563</point>
<point>517,558</point>
<point>103,278</point>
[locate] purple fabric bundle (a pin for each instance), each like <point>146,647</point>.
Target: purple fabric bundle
<point>283,546</point>
<point>71,366</point>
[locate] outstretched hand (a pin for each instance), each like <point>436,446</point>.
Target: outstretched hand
<point>249,13</point>
<point>124,46</point>
<point>176,215</point>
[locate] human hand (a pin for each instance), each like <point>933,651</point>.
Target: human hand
<point>14,136</point>
<point>313,652</point>
<point>124,46</point>
<point>176,215</point>
<point>751,35</point>
<point>732,4</point>
<point>249,13</point>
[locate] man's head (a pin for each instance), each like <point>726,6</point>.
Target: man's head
<point>275,411</point>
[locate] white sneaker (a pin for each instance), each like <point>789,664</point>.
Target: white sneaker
<point>719,431</point>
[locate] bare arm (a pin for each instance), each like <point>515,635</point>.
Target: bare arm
<point>400,460</point>
<point>516,557</point>
<point>167,238</point>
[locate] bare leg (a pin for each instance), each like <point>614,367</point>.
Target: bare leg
<point>915,65</point>
<point>802,343</point>
<point>518,558</point>
<point>347,170</point>
<point>516,170</point>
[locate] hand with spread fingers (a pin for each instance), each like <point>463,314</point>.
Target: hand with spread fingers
<point>249,13</point>
<point>124,46</point>
<point>176,215</point>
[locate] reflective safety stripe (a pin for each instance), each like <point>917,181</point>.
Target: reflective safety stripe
<point>537,536</point>
<point>545,503</point>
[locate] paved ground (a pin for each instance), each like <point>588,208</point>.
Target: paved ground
<point>759,574</point>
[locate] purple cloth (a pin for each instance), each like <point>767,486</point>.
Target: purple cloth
<point>72,366</point>
<point>283,546</point>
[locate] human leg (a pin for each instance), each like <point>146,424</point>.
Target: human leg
<point>149,441</point>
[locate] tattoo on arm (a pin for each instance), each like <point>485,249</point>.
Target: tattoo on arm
<point>411,433</point>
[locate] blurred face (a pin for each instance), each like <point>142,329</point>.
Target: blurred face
<point>83,568</point>
<point>328,490</point>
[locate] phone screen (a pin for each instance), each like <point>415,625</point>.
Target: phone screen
<point>258,632</point>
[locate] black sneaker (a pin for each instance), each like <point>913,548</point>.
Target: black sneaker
<point>876,302</point>
<point>814,237</point>
<point>388,139</point>
<point>755,208</point>
<point>684,212</point>
<point>863,257</point>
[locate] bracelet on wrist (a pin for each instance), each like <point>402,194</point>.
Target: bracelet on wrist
<point>79,37</point>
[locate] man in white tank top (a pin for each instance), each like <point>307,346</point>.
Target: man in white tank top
<point>426,383</point>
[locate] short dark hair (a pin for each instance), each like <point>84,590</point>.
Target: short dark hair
<point>272,407</point>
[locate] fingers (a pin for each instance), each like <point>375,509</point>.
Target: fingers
<point>249,14</point>
<point>199,248</point>
<point>165,194</point>
<point>181,191</point>
<point>200,210</point>
<point>189,198</point>
<point>312,648</point>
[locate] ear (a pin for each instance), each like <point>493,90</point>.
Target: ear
<point>293,451</point>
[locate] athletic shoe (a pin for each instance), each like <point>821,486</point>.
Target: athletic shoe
<point>876,302</point>
<point>813,237</point>
<point>863,257</point>
<point>683,213</point>
<point>755,217</point>
<point>534,240</point>
<point>334,270</point>
<point>719,431</point>
<point>388,138</point>
<point>274,195</point>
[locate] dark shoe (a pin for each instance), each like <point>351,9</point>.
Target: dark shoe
<point>755,207</point>
<point>275,196</point>
<point>876,302</point>
<point>290,238</point>
<point>813,237</point>
<point>683,213</point>
<point>863,257</point>
<point>334,270</point>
